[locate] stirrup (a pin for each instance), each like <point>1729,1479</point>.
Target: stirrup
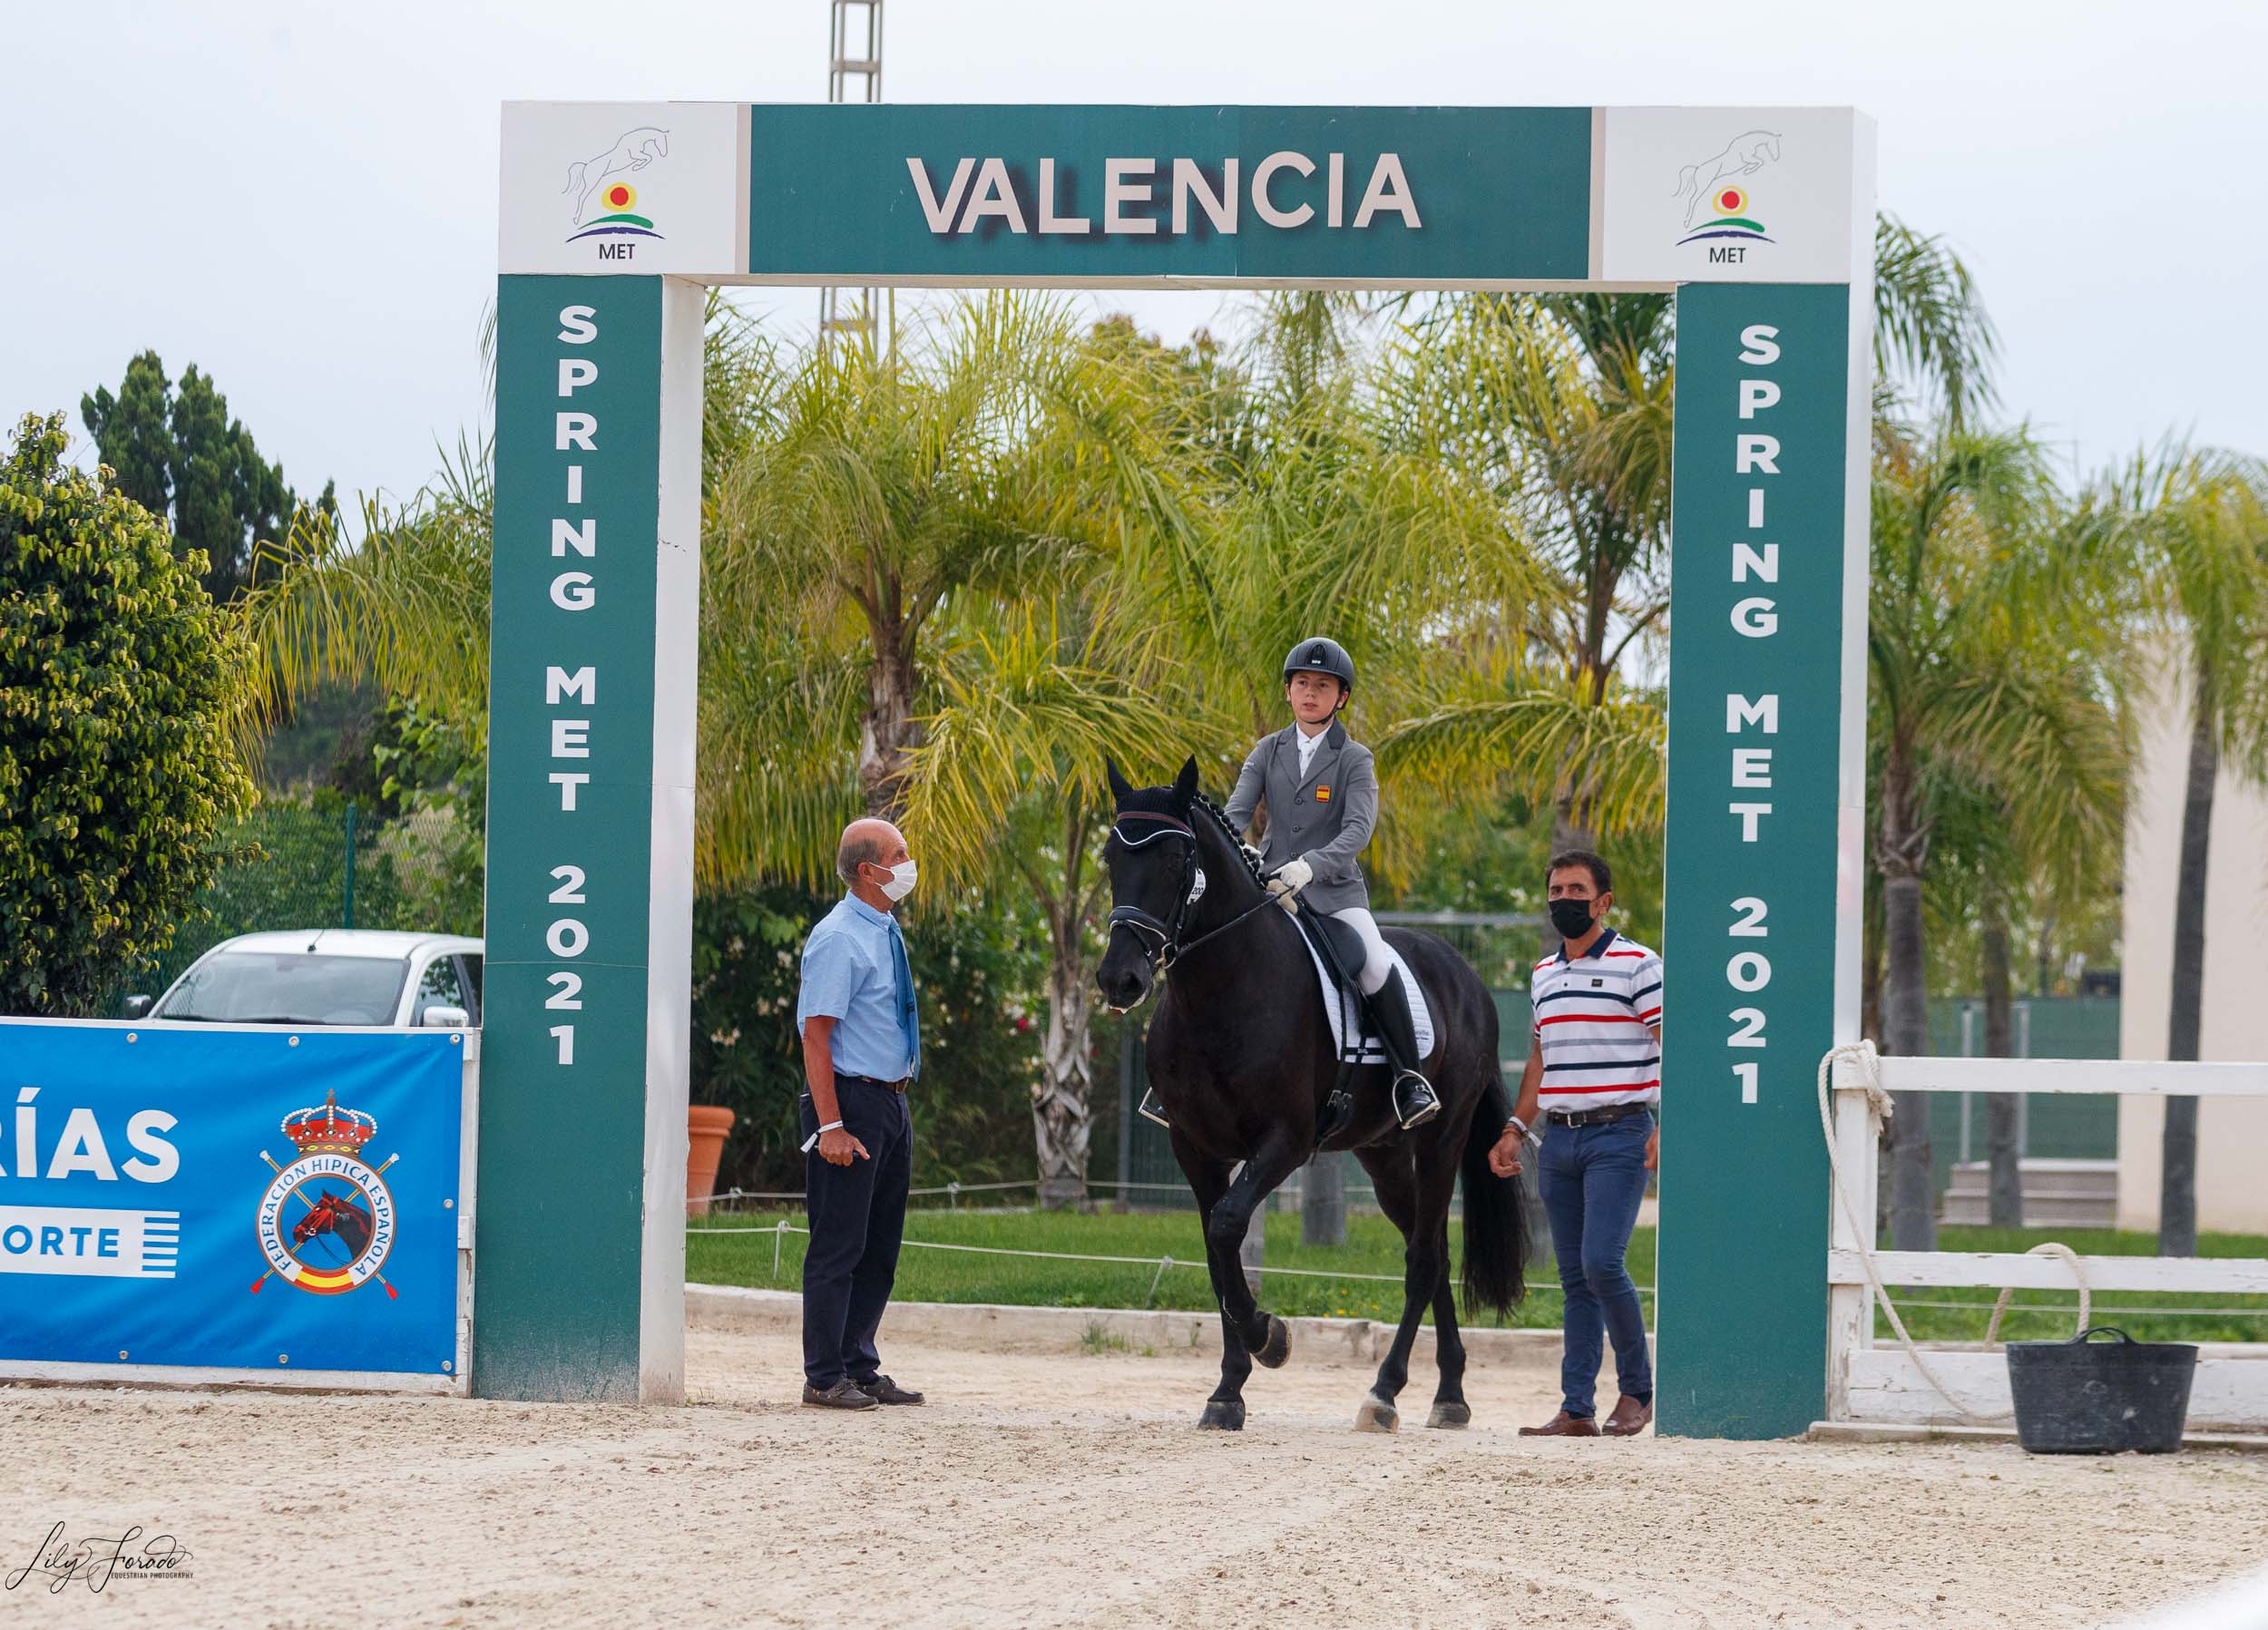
<point>1429,1102</point>
<point>1150,1110</point>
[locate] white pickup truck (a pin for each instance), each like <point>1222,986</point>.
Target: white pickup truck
<point>327,976</point>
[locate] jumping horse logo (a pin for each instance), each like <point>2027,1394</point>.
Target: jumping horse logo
<point>601,181</point>
<point>1699,184</point>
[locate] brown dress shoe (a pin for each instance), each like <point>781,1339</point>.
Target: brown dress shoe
<point>1563,1425</point>
<point>883,1389</point>
<point>843,1394</point>
<point>1629,1419</point>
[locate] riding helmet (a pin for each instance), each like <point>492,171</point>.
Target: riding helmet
<point>1321,656</point>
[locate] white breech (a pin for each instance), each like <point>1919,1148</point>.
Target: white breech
<point>1376,963</point>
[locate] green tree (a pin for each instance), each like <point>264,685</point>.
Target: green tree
<point>179,453</point>
<point>226,498</point>
<point>121,686</point>
<point>134,435</point>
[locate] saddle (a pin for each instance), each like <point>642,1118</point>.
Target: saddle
<point>1338,943</point>
<point>1339,951</point>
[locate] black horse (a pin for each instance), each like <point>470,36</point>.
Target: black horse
<point>1241,1055</point>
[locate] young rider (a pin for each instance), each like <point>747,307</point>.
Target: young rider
<point>1321,798</point>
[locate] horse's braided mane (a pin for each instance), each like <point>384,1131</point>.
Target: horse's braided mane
<point>1235,843</point>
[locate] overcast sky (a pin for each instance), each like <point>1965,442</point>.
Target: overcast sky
<point>302,199</point>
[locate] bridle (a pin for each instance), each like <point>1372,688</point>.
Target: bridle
<point>1166,944</point>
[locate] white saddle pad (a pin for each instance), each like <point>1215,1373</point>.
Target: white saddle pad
<point>1374,1050</point>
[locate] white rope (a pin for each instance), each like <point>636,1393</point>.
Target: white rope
<point>2046,1248</point>
<point>1864,1061</point>
<point>1879,1109</point>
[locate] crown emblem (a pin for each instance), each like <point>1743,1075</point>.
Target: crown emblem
<point>327,1130</point>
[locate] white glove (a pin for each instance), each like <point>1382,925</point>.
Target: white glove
<point>1290,877</point>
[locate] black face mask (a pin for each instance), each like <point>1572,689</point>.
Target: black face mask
<point>1571,917</point>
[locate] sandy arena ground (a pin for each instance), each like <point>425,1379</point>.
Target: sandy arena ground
<point>1070,1488</point>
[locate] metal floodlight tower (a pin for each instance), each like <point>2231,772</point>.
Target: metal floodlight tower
<point>842,68</point>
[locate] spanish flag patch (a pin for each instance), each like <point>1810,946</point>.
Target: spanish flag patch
<point>1323,794</point>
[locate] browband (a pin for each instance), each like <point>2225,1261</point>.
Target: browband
<point>1173,822</point>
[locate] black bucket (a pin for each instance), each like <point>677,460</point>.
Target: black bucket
<point>2100,1397</point>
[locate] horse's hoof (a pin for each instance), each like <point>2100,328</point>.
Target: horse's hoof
<point>1376,1415</point>
<point>1221,1416</point>
<point>1277,1347</point>
<point>1451,1413</point>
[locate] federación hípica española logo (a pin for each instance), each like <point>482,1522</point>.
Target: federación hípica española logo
<point>327,1223</point>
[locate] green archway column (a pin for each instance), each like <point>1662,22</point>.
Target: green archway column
<point>580,1217</point>
<point>1766,742</point>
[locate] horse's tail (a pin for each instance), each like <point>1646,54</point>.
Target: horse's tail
<point>1496,1222</point>
<point>574,177</point>
<point>1686,180</point>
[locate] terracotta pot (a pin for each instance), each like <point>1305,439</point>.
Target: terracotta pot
<point>705,1126</point>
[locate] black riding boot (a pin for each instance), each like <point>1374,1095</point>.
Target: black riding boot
<point>1150,1109</point>
<point>1414,1100</point>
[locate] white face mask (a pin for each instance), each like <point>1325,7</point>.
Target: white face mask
<point>901,878</point>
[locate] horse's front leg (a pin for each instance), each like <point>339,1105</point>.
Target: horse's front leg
<point>1225,1409</point>
<point>1263,1333</point>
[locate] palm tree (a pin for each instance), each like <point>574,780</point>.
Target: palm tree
<point>1562,404</point>
<point>1989,644</point>
<point>2204,518</point>
<point>1298,512</point>
<point>889,484</point>
<point>406,604</point>
<point>937,530</point>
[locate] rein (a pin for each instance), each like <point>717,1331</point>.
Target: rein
<point>1213,933</point>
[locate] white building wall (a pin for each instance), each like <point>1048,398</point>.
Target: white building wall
<point>2231,1133</point>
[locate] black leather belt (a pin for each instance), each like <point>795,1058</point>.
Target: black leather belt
<point>1596,1118</point>
<point>870,1081</point>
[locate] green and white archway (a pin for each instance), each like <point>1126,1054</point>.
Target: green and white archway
<point>615,216</point>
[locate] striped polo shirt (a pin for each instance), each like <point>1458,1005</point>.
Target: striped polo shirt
<point>1592,1015</point>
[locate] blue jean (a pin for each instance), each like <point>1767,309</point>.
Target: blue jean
<point>1593,1178</point>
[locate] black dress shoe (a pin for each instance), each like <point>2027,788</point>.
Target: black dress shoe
<point>1414,1100</point>
<point>883,1389</point>
<point>845,1394</point>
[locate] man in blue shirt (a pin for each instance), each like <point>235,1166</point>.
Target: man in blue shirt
<point>862,1044</point>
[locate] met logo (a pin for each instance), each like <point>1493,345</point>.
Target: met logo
<point>1143,197</point>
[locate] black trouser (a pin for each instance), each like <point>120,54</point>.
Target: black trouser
<point>857,1218</point>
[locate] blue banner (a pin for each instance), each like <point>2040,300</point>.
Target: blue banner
<point>246,1199</point>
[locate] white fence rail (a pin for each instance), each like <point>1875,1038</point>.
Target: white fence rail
<point>1950,1386</point>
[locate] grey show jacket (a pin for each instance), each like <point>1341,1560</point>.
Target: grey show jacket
<point>1326,828</point>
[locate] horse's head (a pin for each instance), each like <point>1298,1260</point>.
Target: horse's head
<point>1152,856</point>
<point>321,1218</point>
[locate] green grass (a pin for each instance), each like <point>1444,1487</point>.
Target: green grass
<point>1372,1246</point>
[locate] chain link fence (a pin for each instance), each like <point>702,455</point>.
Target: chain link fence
<point>294,866</point>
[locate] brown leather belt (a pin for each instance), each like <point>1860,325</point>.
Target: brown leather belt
<point>898,1086</point>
